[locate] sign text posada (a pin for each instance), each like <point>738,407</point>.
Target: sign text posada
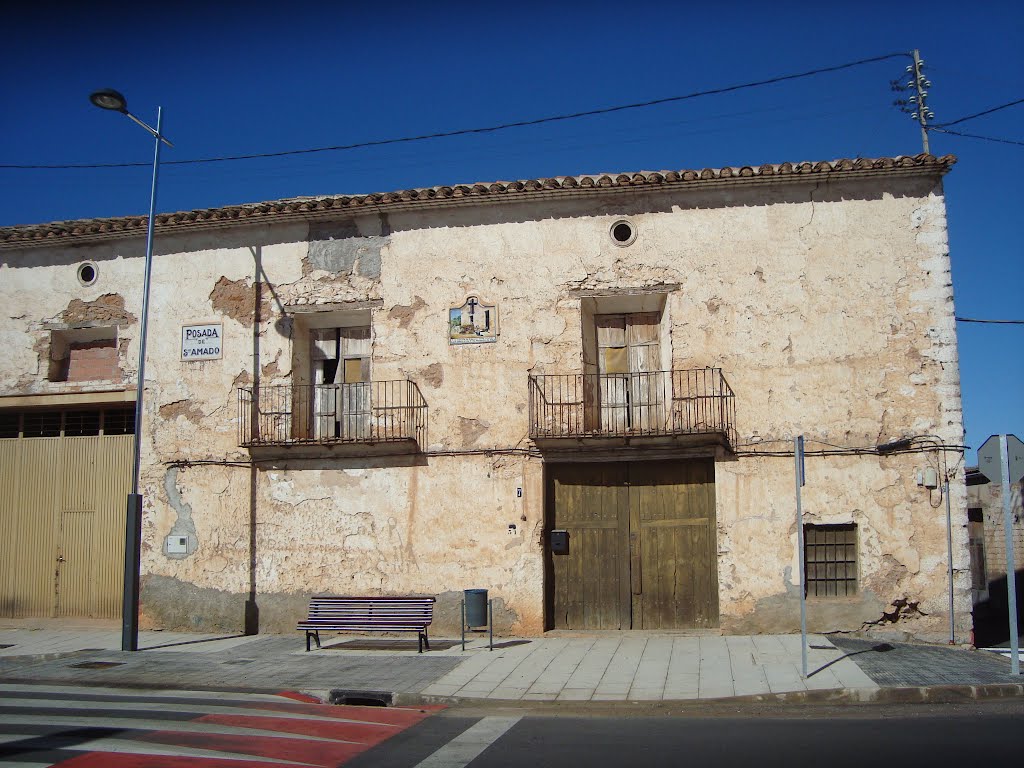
<point>201,342</point>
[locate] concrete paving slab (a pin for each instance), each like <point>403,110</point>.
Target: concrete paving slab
<point>607,667</point>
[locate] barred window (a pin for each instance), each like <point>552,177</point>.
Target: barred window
<point>81,423</point>
<point>72,423</point>
<point>119,422</point>
<point>10,424</point>
<point>830,560</point>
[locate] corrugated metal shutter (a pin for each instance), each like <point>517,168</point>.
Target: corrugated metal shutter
<point>62,502</point>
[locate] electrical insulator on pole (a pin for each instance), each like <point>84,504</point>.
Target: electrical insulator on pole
<point>915,105</point>
<point>920,102</point>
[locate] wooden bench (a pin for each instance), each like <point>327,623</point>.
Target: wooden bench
<point>368,614</point>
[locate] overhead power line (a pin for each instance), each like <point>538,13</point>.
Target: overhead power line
<point>976,136</point>
<point>981,114</point>
<point>976,320</point>
<point>486,129</point>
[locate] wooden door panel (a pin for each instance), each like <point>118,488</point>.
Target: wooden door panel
<point>674,508</point>
<point>589,502</point>
<point>642,546</point>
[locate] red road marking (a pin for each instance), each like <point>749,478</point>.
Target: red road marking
<point>322,753</point>
<point>125,760</point>
<point>300,697</point>
<point>387,715</point>
<point>360,733</point>
<point>347,739</point>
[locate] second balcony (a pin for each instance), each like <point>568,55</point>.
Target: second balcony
<point>696,403</point>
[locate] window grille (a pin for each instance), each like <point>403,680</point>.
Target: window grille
<point>10,424</point>
<point>830,560</point>
<point>81,423</point>
<point>41,424</point>
<point>77,423</point>
<point>119,422</point>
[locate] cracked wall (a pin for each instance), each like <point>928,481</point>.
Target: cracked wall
<point>828,307</point>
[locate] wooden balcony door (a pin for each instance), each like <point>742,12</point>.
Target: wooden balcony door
<point>341,377</point>
<point>642,546</point>
<point>631,390</point>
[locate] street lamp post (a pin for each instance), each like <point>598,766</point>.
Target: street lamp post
<point>113,100</point>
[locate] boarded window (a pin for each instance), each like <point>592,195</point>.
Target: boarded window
<point>340,360</point>
<point>830,560</point>
<point>84,354</point>
<point>633,392</point>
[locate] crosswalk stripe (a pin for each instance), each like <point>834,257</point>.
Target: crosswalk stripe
<point>90,727</point>
<point>78,690</point>
<point>112,744</point>
<point>467,746</point>
<point>140,724</point>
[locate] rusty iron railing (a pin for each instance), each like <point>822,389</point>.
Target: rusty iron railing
<point>678,402</point>
<point>328,414</point>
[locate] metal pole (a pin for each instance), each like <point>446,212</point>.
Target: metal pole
<point>1011,575</point>
<point>949,551</point>
<point>798,456</point>
<point>133,523</point>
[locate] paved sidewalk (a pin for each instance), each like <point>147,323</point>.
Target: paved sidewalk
<point>650,667</point>
<point>599,667</point>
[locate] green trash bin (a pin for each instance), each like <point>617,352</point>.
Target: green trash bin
<point>476,607</point>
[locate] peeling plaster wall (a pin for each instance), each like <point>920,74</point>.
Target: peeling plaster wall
<point>827,305</point>
<point>41,293</point>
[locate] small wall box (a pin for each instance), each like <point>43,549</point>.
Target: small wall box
<point>177,545</point>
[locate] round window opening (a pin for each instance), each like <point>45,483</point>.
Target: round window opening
<point>87,273</point>
<point>623,233</point>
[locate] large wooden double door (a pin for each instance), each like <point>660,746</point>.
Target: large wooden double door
<point>642,550</point>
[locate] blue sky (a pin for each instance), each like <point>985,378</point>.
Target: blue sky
<point>260,77</point>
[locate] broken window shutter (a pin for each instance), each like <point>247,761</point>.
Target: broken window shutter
<point>357,369</point>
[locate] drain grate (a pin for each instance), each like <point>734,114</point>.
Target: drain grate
<point>239,661</point>
<point>98,664</point>
<point>361,698</point>
<point>6,646</point>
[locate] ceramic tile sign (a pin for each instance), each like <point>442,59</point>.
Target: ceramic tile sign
<point>201,342</point>
<point>473,323</point>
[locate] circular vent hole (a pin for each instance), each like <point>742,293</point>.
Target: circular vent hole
<point>623,233</point>
<point>87,273</point>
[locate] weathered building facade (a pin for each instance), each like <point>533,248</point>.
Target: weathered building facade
<point>986,529</point>
<point>578,393</point>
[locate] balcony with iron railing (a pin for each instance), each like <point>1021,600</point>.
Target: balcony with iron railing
<point>658,404</point>
<point>360,414</point>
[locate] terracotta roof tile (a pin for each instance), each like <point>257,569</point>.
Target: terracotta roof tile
<point>305,207</point>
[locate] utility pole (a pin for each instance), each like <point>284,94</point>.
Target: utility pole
<point>917,104</point>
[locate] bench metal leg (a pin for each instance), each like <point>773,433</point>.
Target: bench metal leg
<point>424,640</point>
<point>315,635</point>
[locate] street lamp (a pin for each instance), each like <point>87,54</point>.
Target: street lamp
<point>113,100</point>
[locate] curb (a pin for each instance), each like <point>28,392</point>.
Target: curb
<point>33,658</point>
<point>923,694</point>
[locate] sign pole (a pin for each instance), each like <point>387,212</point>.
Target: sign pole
<point>798,456</point>
<point>1011,576</point>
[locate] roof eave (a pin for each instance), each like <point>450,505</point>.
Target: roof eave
<point>565,187</point>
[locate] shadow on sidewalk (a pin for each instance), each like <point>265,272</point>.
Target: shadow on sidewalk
<point>880,648</point>
<point>191,642</point>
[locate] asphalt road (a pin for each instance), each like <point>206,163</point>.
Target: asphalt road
<point>934,736</point>
<point>89,727</point>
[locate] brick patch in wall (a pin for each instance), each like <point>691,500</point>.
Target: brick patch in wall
<point>89,361</point>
